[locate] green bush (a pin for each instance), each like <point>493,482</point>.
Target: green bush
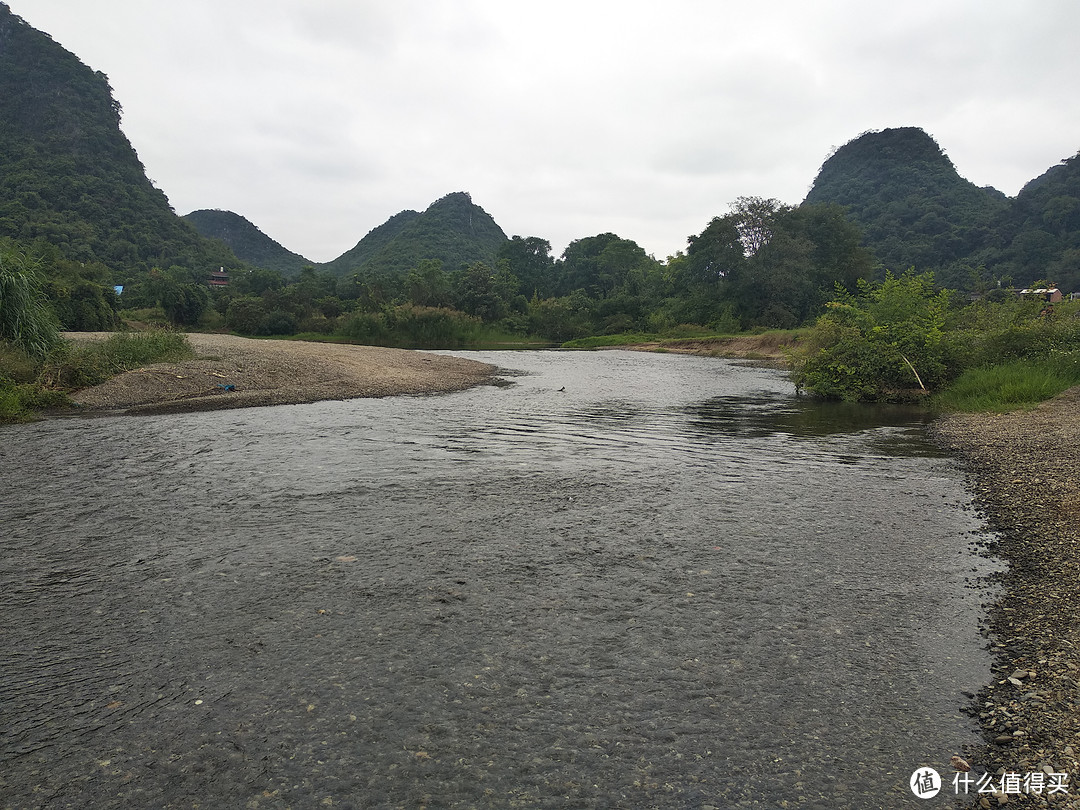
<point>277,322</point>
<point>365,327</point>
<point>413,326</point>
<point>20,403</point>
<point>886,344</point>
<point>16,366</point>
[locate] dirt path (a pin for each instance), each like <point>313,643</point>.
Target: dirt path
<point>235,372</point>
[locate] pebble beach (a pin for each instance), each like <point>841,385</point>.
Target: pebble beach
<point>1025,473</point>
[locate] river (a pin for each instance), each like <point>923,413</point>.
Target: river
<point>615,580</point>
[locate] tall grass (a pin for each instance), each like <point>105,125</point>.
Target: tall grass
<point>29,383</point>
<point>82,365</point>
<point>26,319</point>
<point>1017,384</point>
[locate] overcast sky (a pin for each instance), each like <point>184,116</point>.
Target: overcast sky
<point>319,119</point>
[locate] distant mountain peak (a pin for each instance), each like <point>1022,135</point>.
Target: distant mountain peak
<point>246,240</point>
<point>453,229</point>
<point>905,192</point>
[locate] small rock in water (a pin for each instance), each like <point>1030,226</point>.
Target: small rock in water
<point>960,764</point>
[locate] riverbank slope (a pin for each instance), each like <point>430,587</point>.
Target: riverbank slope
<point>235,372</point>
<point>1025,469</point>
<point>768,347</point>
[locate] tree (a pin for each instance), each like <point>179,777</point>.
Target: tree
<point>428,285</point>
<point>485,292</point>
<point>530,260</point>
<point>755,218</point>
<point>184,304</point>
<point>716,253</point>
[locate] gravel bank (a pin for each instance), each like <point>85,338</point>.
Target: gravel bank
<point>1025,470</point>
<point>275,372</point>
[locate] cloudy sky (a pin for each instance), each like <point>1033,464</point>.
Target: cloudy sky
<point>319,119</point>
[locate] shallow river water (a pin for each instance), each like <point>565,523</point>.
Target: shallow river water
<point>672,584</point>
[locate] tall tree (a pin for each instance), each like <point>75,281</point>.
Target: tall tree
<point>531,261</point>
<point>755,218</point>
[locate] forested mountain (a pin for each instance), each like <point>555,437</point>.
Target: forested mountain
<point>247,241</point>
<point>69,176</point>
<point>372,244</point>
<point>453,230</point>
<point>1040,236</point>
<point>917,211</point>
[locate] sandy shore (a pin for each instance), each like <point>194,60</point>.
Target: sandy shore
<point>1025,470</point>
<point>275,372</point>
<point>767,348</point>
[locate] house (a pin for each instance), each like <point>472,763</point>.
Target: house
<point>1049,294</point>
<point>219,278</point>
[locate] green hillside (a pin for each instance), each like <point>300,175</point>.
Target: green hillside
<point>453,230</point>
<point>69,176</point>
<point>372,244</point>
<point>1040,236</point>
<point>913,206</point>
<point>245,239</point>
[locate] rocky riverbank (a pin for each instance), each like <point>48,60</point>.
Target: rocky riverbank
<point>235,372</point>
<point>1025,469</point>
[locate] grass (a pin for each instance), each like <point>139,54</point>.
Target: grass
<point>1016,385</point>
<point>82,365</point>
<point>28,386</point>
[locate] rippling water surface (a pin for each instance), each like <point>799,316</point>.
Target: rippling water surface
<point>671,584</point>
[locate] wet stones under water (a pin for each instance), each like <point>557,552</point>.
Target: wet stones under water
<point>671,584</point>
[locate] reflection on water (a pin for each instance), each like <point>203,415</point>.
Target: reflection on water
<point>623,580</point>
<point>805,417</point>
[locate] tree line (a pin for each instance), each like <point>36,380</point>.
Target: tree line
<point>763,264</point>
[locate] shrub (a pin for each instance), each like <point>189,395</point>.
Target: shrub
<point>885,344</point>
<point>277,322</point>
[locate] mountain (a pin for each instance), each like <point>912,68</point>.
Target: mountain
<point>917,211</point>
<point>453,229</point>
<point>914,208</point>
<point>245,239</point>
<point>69,176</point>
<point>1040,236</point>
<point>372,244</point>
